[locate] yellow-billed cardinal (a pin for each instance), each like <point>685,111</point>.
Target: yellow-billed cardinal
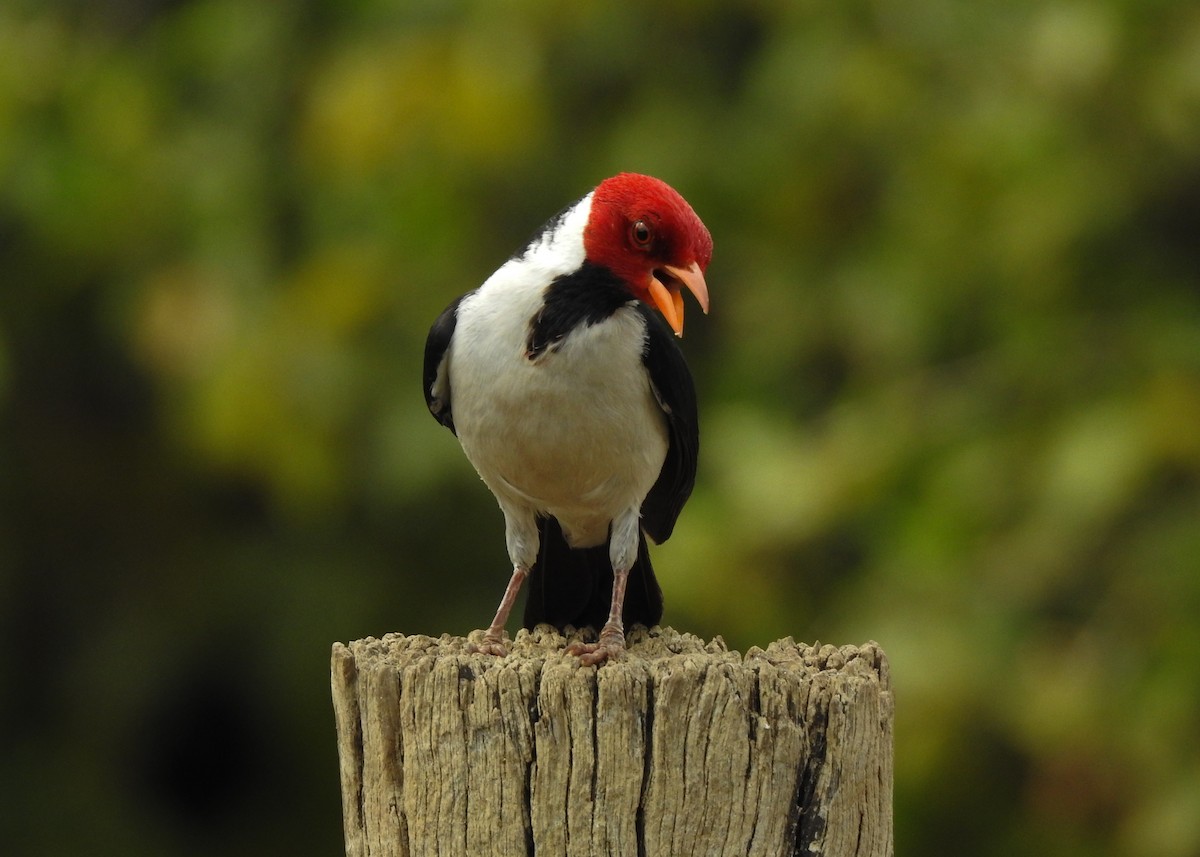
<point>572,400</point>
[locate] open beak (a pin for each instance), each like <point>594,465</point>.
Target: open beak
<point>666,292</point>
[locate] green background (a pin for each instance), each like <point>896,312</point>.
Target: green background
<point>950,384</point>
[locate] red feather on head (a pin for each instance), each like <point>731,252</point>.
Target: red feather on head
<point>642,230</point>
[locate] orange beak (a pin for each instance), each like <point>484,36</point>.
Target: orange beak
<point>666,292</point>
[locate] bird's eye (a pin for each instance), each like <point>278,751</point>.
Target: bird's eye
<point>640,233</point>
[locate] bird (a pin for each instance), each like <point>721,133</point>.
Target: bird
<point>563,380</point>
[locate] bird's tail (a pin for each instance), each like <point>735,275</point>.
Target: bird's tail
<point>573,586</point>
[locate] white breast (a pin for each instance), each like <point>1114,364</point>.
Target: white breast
<point>576,433</point>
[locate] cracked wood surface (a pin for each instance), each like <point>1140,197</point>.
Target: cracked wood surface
<point>680,748</point>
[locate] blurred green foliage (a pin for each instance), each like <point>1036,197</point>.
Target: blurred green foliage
<point>950,386</point>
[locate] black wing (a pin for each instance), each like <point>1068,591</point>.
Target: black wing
<point>437,378</point>
<point>676,395</point>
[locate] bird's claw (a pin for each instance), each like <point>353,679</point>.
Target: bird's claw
<point>491,644</point>
<point>610,647</point>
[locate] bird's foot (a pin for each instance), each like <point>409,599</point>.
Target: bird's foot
<point>610,647</point>
<point>491,644</point>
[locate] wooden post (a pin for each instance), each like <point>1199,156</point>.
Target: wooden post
<point>679,748</point>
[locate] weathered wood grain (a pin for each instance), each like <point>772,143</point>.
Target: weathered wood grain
<point>680,748</point>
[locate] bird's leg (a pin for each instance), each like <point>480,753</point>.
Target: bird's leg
<point>493,638</point>
<point>612,636</point>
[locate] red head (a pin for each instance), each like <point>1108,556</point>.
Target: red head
<point>642,230</point>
